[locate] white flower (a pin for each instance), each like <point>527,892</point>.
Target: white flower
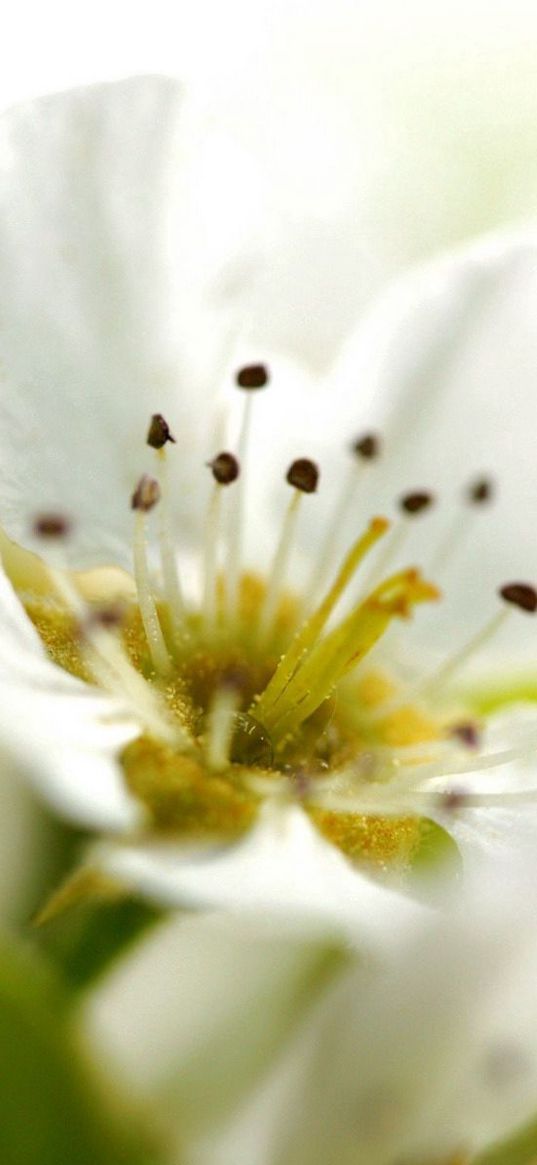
<point>192,736</point>
<point>212,722</point>
<point>258,1046</point>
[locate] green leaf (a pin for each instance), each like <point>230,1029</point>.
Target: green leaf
<point>519,1150</point>
<point>86,937</point>
<point>53,1107</point>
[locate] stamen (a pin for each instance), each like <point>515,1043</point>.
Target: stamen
<point>467,733</point>
<point>306,638</point>
<point>521,595</point>
<point>159,432</point>
<point>411,505</point>
<point>251,378</point>
<point>416,503</point>
<point>476,495</point>
<point>344,647</point>
<point>480,491</point>
<point>109,665</point>
<point>221,727</point>
<point>144,498</point>
<point>225,470</point>
<point>157,438</point>
<point>303,476</point>
<point>365,449</point>
<point>51,526</point>
<point>367,446</point>
<point>440,677</point>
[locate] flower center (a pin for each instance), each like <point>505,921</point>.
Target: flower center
<point>256,691</point>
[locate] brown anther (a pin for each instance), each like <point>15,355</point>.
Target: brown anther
<point>109,617</point>
<point>225,468</point>
<point>301,783</point>
<point>367,446</point>
<point>415,503</point>
<point>235,679</point>
<point>159,432</point>
<point>303,474</point>
<point>253,376</point>
<point>453,799</point>
<point>468,734</point>
<point>481,490</point>
<point>51,526</point>
<point>146,494</point>
<point>520,595</point>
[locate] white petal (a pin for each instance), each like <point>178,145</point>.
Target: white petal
<point>57,732</point>
<point>446,365</point>
<point>283,867</point>
<point>432,1056</point>
<point>226,993</point>
<point>503,828</point>
<point>102,309</point>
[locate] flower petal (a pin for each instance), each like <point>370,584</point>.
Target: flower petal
<point>431,1057</point>
<point>103,308</point>
<point>59,733</point>
<point>499,823</point>
<point>282,868</point>
<point>226,994</point>
<point>446,364</point>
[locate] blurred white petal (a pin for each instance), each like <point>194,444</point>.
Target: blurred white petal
<point>430,1056</point>
<point>282,869</point>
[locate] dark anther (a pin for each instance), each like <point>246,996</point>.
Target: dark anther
<point>303,474</point>
<point>367,446</point>
<point>520,595</point>
<point>224,468</point>
<point>253,376</point>
<point>146,494</point>
<point>159,432</point>
<point>481,490</point>
<point>251,744</point>
<point>415,503</point>
<point>51,526</point>
<point>108,617</point>
<point>301,783</point>
<point>453,799</point>
<point>467,732</point>
<point>235,678</point>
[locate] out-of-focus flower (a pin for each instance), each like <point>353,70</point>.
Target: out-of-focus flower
<point>259,1047</point>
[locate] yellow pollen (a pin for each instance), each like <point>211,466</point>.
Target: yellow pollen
<point>272,707</point>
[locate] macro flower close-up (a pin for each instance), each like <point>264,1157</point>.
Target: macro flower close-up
<point>267,657</point>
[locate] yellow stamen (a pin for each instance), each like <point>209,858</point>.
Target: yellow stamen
<point>343,648</point>
<point>307,637</point>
